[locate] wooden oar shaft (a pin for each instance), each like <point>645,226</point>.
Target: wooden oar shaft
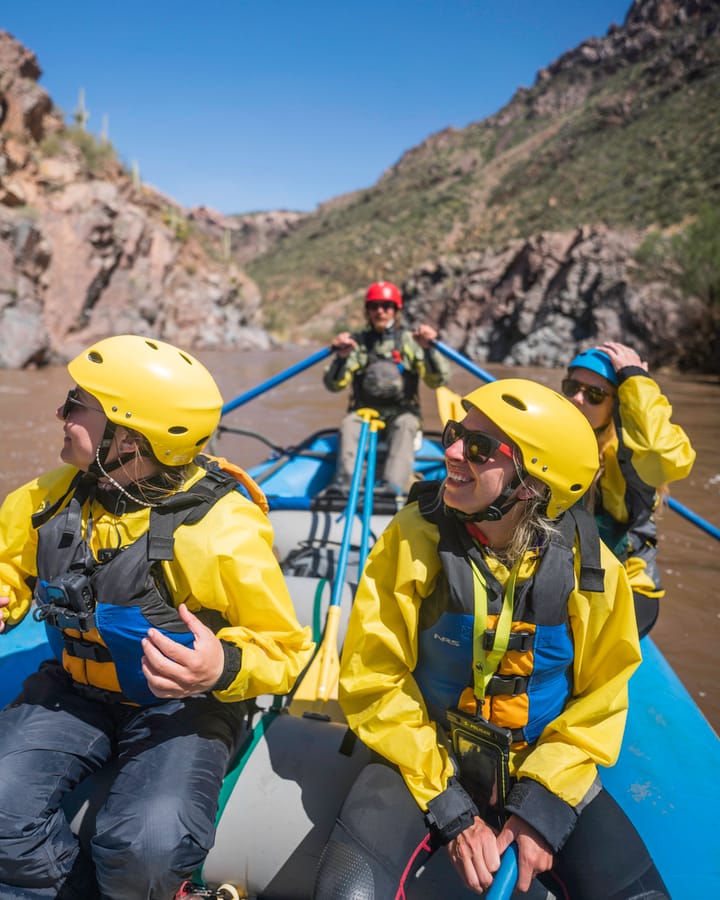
<point>329,654</point>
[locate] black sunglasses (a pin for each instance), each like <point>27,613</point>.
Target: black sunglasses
<point>595,395</point>
<point>478,447</point>
<point>379,304</point>
<point>72,400</point>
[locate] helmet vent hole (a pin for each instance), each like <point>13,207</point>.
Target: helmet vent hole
<point>177,429</point>
<point>574,488</point>
<point>187,359</point>
<point>152,346</point>
<point>512,400</point>
<point>95,357</point>
<point>202,441</point>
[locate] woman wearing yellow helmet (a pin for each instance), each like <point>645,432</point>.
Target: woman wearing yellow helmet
<point>166,612</point>
<point>486,662</point>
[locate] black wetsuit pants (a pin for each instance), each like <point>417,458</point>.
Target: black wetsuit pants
<point>158,821</point>
<point>373,854</point>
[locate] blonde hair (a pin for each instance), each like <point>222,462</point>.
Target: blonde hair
<point>149,490</point>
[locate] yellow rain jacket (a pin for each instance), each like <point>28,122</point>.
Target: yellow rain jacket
<point>386,709</point>
<point>224,562</point>
<point>642,452</point>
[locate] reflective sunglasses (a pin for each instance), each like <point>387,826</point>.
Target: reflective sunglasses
<point>374,305</point>
<point>595,395</point>
<point>478,447</point>
<point>72,400</point>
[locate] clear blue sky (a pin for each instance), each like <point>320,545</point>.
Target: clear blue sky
<point>282,104</point>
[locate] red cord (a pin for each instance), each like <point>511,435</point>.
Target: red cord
<point>423,845</point>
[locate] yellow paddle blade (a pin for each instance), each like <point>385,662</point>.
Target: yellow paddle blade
<point>319,684</point>
<point>449,405</point>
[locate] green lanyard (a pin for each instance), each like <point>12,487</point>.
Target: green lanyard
<point>485,663</point>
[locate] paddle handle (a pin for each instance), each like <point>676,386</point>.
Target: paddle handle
<point>504,879</point>
<point>275,380</point>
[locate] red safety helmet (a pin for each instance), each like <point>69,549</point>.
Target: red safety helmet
<point>384,290</point>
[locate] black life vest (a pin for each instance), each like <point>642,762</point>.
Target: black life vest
<point>385,381</point>
<point>98,611</point>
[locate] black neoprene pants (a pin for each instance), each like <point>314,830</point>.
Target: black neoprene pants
<point>380,827</point>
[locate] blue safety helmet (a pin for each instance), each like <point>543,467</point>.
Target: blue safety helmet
<point>595,361</point>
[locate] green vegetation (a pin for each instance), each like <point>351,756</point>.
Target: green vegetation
<point>97,154</point>
<point>176,222</point>
<point>690,258</point>
<point>631,143</point>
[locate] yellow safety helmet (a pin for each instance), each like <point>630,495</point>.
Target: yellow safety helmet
<point>557,443</point>
<point>156,389</point>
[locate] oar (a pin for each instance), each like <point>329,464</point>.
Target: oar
<point>504,879</point>
<point>711,529</point>
<point>463,361</point>
<point>322,674</point>
<point>449,404</point>
<point>275,380</point>
<point>375,426</point>
<point>470,366</point>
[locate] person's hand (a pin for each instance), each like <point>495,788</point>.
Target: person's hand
<point>173,670</point>
<point>3,602</point>
<point>534,853</point>
<point>474,854</point>
<point>425,335</point>
<point>622,356</point>
<point>343,344</point>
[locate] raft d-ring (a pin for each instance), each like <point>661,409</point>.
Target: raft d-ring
<point>228,892</point>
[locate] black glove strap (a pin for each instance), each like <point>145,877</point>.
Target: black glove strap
<point>450,812</point>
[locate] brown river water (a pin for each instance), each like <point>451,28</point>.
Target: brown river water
<point>689,558</point>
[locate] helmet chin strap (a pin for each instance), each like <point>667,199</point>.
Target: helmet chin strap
<point>100,467</point>
<point>495,510</point>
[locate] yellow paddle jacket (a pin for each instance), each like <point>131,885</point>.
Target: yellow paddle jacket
<point>224,562</point>
<point>384,705</point>
<point>644,445</point>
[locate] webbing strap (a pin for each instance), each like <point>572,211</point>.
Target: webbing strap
<point>592,575</point>
<point>486,662</point>
<point>86,650</point>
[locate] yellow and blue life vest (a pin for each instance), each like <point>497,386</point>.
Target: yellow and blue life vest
<point>97,611</point>
<point>534,679</point>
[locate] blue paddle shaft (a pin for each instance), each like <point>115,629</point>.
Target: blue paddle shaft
<point>694,518</point>
<point>463,361</point>
<point>275,380</point>
<point>369,485</point>
<point>350,511</point>
<point>470,366</point>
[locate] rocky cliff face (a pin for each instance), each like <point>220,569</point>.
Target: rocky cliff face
<point>87,251</point>
<point>539,301</point>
